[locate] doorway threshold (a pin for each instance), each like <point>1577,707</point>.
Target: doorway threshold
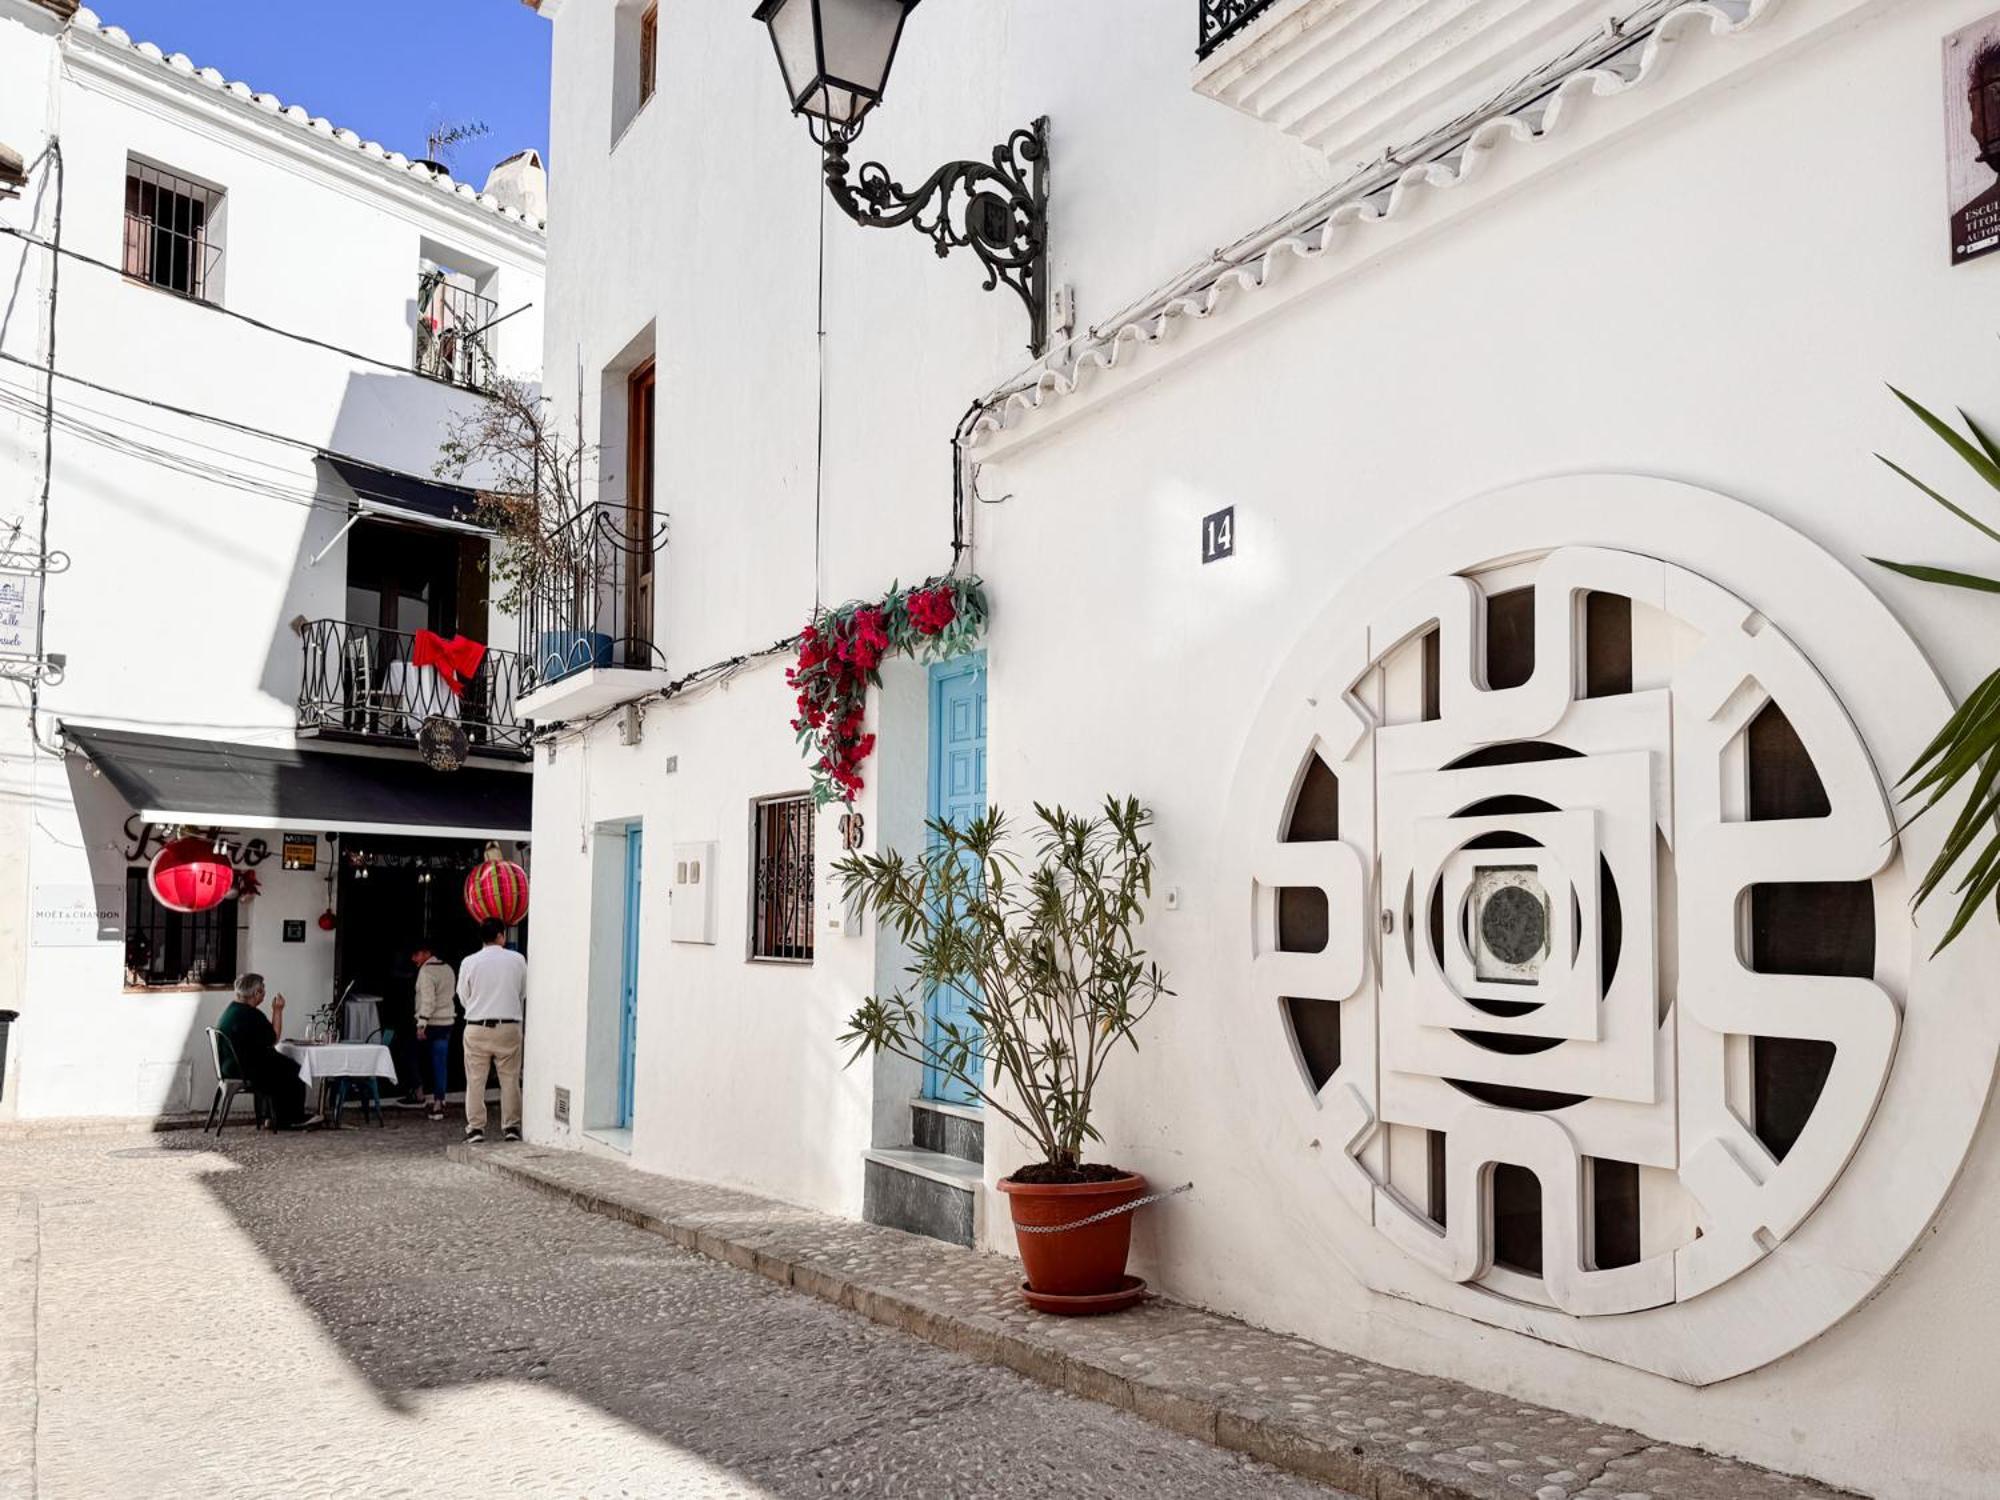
<point>611,1137</point>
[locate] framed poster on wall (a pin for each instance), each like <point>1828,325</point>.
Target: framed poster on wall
<point>1972,138</point>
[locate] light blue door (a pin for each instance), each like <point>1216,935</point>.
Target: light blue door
<point>628,997</point>
<point>957,796</point>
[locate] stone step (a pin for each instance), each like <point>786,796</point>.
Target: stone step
<point>955,1129</point>
<point>925,1192</point>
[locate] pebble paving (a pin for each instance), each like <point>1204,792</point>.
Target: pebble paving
<point>350,1313</point>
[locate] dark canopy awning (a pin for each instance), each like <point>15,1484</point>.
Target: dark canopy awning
<point>392,494</point>
<point>215,784</point>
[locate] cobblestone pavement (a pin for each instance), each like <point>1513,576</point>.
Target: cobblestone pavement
<point>347,1312</point>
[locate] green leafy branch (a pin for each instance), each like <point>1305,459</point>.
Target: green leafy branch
<point>1963,749</point>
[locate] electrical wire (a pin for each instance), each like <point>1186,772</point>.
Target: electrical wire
<point>291,494</point>
<point>61,252</point>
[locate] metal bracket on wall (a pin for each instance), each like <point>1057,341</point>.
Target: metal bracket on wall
<point>998,209</point>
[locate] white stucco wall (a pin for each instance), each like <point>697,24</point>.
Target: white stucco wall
<point>1707,279</point>
<point>174,610</point>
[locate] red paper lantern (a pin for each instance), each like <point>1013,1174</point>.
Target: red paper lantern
<point>188,875</point>
<point>497,891</point>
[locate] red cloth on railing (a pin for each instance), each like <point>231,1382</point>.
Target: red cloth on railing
<point>456,660</point>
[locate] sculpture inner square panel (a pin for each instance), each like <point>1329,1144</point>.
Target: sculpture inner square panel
<point>1576,927</point>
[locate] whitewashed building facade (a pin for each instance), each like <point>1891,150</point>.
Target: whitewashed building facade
<point>230,347</point>
<point>1539,377</point>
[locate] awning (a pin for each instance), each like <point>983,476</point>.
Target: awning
<point>214,784</point>
<point>396,496</point>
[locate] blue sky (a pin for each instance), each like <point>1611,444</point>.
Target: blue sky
<point>387,69</point>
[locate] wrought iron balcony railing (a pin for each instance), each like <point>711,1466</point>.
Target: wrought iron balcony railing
<point>451,332</point>
<point>1222,19</point>
<point>590,603</point>
<point>362,683</point>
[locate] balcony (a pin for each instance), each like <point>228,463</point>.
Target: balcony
<point>362,684</point>
<point>1223,19</point>
<point>587,627</point>
<point>452,322</point>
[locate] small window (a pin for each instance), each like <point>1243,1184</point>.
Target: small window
<point>781,895</point>
<point>172,232</point>
<point>454,323</point>
<point>176,950</point>
<point>649,53</point>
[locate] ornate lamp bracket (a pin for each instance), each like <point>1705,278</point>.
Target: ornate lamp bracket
<point>998,210</point>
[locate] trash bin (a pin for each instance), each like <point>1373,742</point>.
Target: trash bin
<point>7,1020</point>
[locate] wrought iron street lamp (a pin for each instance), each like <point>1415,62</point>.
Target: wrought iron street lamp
<point>836,56</point>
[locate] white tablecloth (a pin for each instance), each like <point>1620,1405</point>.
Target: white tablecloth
<point>321,1061</point>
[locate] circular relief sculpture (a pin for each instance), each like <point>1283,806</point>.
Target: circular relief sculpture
<point>1576,928</point>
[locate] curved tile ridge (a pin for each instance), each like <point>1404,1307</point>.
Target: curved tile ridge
<point>294,115</point>
<point>1321,233</point>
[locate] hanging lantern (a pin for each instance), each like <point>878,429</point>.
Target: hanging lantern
<point>188,875</point>
<point>497,891</point>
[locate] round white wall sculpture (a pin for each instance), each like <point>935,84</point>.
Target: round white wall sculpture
<point>1583,993</point>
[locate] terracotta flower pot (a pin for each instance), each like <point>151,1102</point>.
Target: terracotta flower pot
<point>1077,1263</point>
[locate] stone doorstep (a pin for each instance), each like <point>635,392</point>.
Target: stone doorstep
<point>1381,1433</point>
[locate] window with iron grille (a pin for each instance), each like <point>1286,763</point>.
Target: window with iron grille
<point>781,892</point>
<point>172,232</point>
<point>176,950</point>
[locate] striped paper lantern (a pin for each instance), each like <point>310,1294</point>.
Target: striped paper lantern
<point>497,891</point>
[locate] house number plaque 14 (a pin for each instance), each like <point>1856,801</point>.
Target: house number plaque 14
<point>1218,535</point>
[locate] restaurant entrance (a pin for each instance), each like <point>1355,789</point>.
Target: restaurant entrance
<point>394,893</point>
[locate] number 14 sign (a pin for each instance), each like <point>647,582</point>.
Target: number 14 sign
<point>1218,535</point>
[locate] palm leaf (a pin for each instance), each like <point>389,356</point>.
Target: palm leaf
<point>1957,510</point>
<point>1986,468</point>
<point>1992,450</point>
<point>1939,575</point>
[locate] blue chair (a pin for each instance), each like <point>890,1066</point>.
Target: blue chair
<point>367,1090</point>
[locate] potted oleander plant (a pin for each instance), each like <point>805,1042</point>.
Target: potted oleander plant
<point>1043,945</point>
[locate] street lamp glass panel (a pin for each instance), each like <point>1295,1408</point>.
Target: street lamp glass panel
<point>835,54</point>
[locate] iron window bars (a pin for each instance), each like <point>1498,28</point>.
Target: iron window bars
<point>781,913</point>
<point>170,232</point>
<point>452,320</point>
<point>360,682</point>
<point>1223,19</point>
<point>173,950</point>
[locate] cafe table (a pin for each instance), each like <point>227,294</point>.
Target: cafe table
<point>321,1063</point>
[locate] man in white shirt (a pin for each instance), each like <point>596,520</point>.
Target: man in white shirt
<point>493,988</point>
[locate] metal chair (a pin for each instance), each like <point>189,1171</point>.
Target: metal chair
<point>385,1036</point>
<point>367,705</point>
<point>227,1088</point>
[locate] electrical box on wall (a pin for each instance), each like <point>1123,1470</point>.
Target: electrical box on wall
<point>694,893</point>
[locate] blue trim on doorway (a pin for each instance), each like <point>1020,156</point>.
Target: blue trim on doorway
<point>628,989</point>
<point>957,794</point>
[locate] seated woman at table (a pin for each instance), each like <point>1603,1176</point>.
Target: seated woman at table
<point>253,1037</point>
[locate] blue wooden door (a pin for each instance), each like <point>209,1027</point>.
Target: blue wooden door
<point>957,796</point>
<point>628,998</point>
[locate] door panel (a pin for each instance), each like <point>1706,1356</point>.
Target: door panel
<point>957,796</point>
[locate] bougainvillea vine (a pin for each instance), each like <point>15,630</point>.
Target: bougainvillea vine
<point>840,658</point>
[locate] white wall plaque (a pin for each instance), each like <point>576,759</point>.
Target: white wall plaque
<point>77,916</point>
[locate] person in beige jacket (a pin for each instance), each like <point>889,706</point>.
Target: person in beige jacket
<point>437,1018</point>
